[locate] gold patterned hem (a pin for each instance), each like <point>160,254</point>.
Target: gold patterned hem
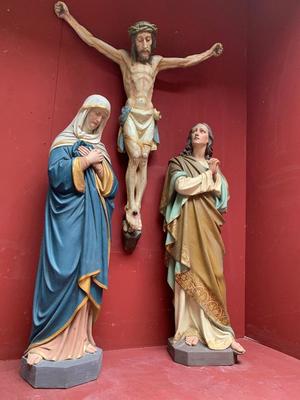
<point>195,288</point>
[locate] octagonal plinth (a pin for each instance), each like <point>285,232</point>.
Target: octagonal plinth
<point>199,355</point>
<point>62,374</point>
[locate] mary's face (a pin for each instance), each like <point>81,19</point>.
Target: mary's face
<point>199,134</point>
<point>93,119</point>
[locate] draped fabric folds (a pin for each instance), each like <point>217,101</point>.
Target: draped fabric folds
<point>194,247</point>
<point>74,256</point>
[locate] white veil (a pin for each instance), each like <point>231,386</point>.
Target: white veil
<point>74,131</point>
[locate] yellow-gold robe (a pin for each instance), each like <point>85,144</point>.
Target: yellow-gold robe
<point>192,204</point>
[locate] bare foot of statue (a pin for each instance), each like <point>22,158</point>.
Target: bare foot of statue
<point>133,219</point>
<point>33,358</point>
<point>237,348</point>
<point>191,340</point>
<point>89,348</point>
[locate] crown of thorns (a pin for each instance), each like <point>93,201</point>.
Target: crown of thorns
<point>141,26</point>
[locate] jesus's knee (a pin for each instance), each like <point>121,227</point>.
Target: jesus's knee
<point>134,160</point>
<point>144,157</point>
<point>143,162</point>
<point>134,152</point>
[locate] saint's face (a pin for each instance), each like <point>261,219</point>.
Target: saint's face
<point>143,43</point>
<point>199,134</point>
<point>93,119</point>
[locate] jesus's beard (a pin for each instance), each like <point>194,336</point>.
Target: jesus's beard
<point>144,57</point>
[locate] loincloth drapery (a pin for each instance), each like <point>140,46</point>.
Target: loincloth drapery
<point>145,127</point>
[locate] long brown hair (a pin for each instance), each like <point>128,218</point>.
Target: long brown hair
<point>188,150</point>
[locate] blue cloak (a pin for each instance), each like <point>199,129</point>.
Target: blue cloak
<point>73,264</point>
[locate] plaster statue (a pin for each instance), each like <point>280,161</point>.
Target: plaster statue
<point>73,264</point>
<point>194,199</point>
<point>138,133</point>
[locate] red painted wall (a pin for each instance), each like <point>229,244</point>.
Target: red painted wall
<point>46,72</point>
<point>273,175</point>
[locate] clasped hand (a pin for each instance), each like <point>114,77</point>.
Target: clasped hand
<point>213,164</point>
<point>93,156</point>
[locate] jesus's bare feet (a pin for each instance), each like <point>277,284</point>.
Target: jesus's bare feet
<point>133,219</point>
<point>33,358</point>
<point>191,340</point>
<point>237,348</point>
